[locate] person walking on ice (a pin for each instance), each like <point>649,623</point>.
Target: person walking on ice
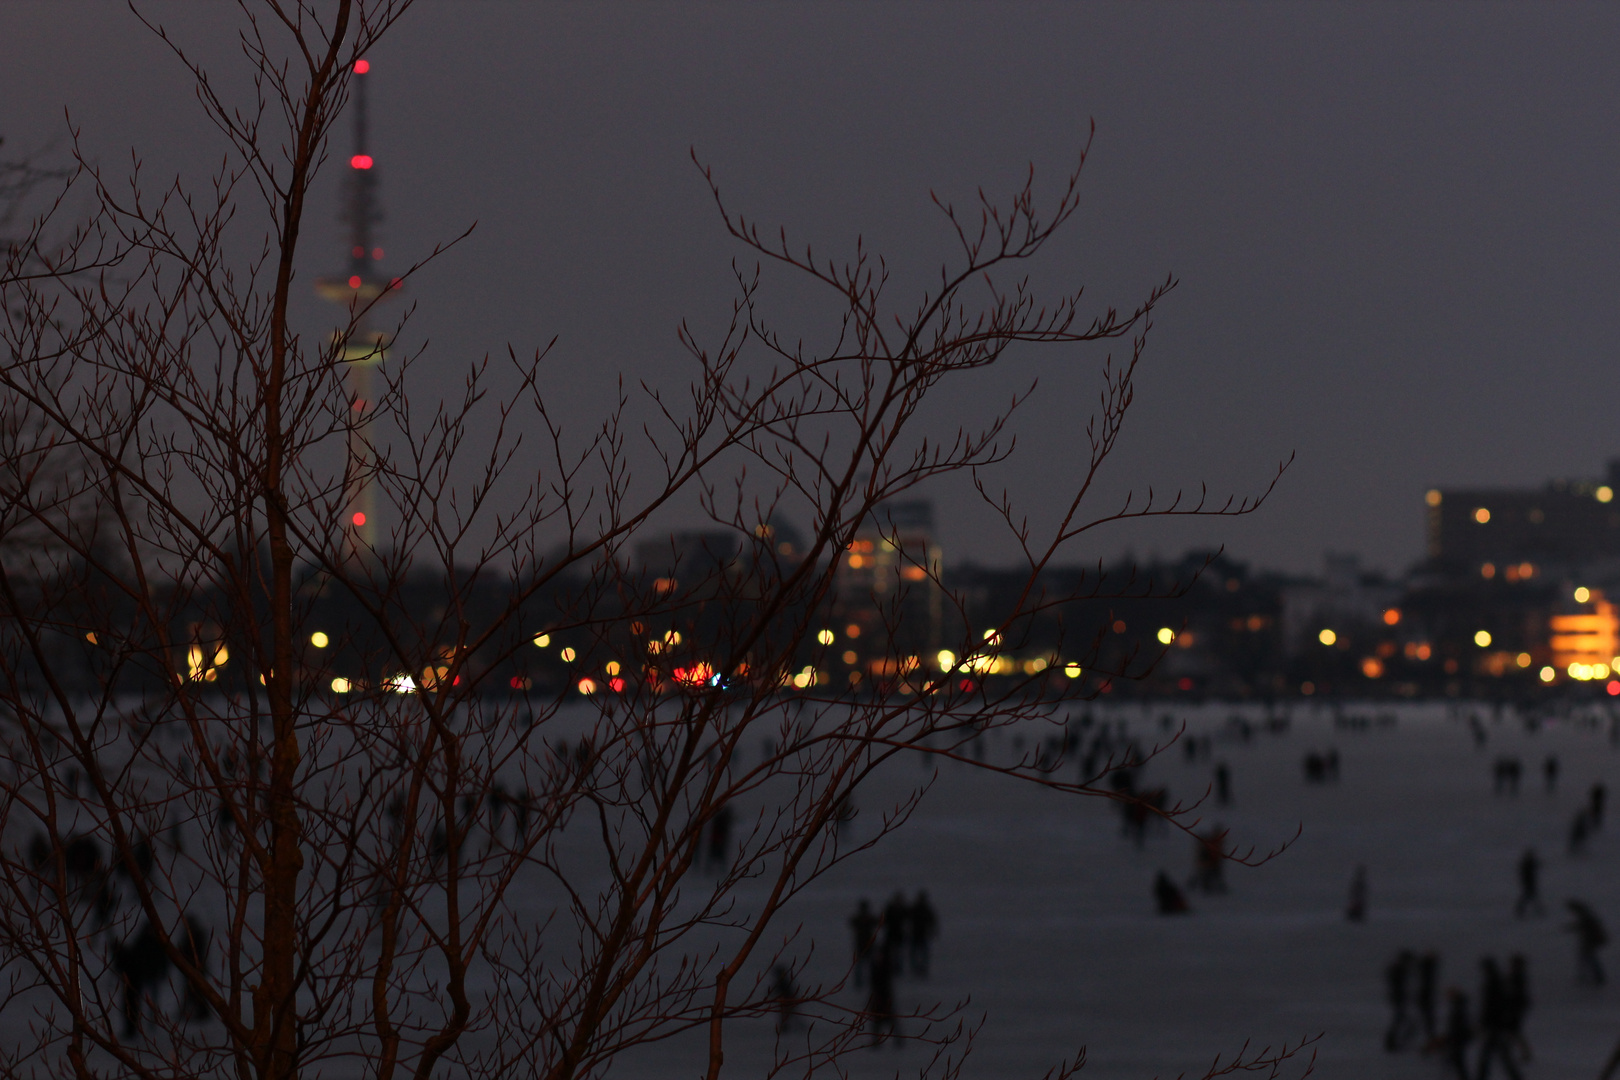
<point>1529,885</point>
<point>864,925</point>
<point>1356,909</point>
<point>924,928</point>
<point>1590,936</point>
<point>1496,1023</point>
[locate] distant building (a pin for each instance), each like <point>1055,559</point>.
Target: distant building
<point>1345,598</point>
<point>1518,532</point>
<point>683,560</point>
<point>888,605</point>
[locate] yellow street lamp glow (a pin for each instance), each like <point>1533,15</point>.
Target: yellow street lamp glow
<point>1482,638</point>
<point>947,659</point>
<point>1166,635</point>
<point>568,655</point>
<point>1327,637</point>
<point>1073,671</point>
<point>1548,674</point>
<point>340,685</point>
<point>825,637</point>
<point>319,639</point>
<point>1523,659</point>
<point>1582,595</point>
<point>1433,497</point>
<point>542,640</point>
<point>1604,494</point>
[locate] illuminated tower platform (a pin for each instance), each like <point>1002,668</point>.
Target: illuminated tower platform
<point>361,348</point>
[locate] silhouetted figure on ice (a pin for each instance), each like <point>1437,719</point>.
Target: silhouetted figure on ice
<point>1315,768</point>
<point>1223,784</point>
<point>1356,909</point>
<point>720,837</point>
<point>896,930</point>
<point>192,942</point>
<point>1397,982</point>
<point>1518,986</point>
<point>1529,885</point>
<point>924,928</point>
<point>1590,936</point>
<point>1428,988</point>
<point>1496,1022</point>
<point>141,963</point>
<point>880,1002</point>
<point>1505,776</point>
<point>864,924</point>
<point>1170,899</point>
<point>1209,861</point>
<point>786,995</point>
<point>1549,773</point>
<point>1579,831</point>
<point>1322,768</point>
<point>1459,1032</point>
<point>1595,800</point>
<point>1141,809</point>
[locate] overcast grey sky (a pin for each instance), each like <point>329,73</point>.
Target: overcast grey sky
<point>1395,226</point>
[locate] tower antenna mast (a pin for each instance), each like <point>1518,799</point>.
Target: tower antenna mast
<point>361,348</point>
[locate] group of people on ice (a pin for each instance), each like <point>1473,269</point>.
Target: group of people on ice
<point>1411,983</point>
<point>896,941</point>
<point>144,960</point>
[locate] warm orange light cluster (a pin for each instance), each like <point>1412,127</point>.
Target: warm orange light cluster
<point>1392,616</point>
<point>1585,640</point>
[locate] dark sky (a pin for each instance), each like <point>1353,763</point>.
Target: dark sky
<point>1394,225</point>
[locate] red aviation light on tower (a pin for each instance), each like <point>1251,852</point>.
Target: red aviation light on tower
<point>360,161</point>
<point>362,66</point>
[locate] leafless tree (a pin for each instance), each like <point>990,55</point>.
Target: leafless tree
<point>459,798</point>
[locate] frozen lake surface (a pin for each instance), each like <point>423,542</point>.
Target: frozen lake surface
<point>1048,924</point>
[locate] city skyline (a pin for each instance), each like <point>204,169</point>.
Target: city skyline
<point>1360,206</point>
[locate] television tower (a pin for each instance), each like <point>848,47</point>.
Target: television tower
<point>362,349</point>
